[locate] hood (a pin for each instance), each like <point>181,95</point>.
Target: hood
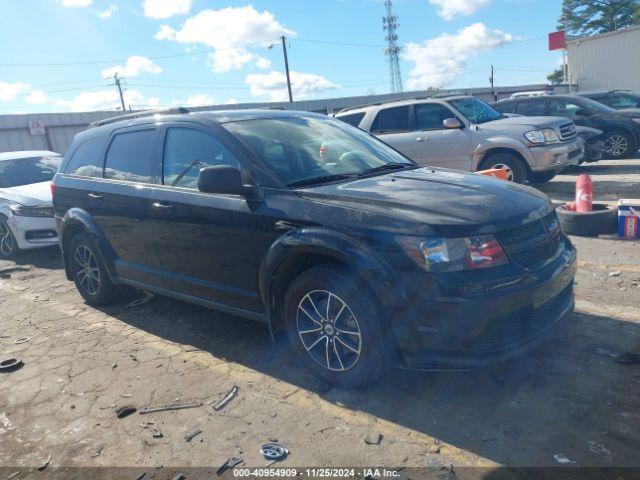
<point>527,123</point>
<point>29,195</point>
<point>449,201</point>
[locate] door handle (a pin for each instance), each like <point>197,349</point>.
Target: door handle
<point>163,207</point>
<point>94,196</point>
<point>422,139</point>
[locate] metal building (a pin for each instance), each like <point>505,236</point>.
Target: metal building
<point>55,131</point>
<point>610,60</point>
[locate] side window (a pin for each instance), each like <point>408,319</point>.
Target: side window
<point>429,116</point>
<point>504,107</point>
<point>86,161</point>
<point>563,108</point>
<point>531,108</point>
<point>130,156</point>
<point>352,119</point>
<point>188,151</point>
<point>391,120</point>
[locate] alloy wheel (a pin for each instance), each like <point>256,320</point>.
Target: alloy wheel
<point>87,271</point>
<point>328,330</point>
<point>616,145</point>
<point>7,241</point>
<point>507,169</point>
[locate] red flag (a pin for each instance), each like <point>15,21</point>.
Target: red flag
<point>557,40</point>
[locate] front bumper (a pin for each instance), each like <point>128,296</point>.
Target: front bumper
<point>509,318</point>
<point>33,232</point>
<point>557,156</point>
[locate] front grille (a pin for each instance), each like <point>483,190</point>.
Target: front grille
<point>567,131</point>
<point>534,244</point>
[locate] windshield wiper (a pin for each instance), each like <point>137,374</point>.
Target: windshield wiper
<point>321,179</point>
<point>386,166</point>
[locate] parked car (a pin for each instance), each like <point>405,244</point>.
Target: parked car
<point>26,211</point>
<point>626,101</point>
<point>356,258</point>
<point>466,133</point>
<point>531,93</point>
<point>621,131</point>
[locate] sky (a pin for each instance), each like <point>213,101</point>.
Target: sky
<point>62,55</point>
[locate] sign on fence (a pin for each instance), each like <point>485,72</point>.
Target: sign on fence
<point>36,127</point>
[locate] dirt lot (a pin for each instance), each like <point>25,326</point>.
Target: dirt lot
<point>567,398</point>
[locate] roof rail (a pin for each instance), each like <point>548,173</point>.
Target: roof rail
<point>140,114</point>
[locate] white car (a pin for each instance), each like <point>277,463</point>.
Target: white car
<point>26,209</point>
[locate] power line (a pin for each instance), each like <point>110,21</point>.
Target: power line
<point>390,25</point>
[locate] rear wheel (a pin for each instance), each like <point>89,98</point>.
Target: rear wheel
<point>618,144</point>
<point>336,328</point>
<point>516,170</point>
<point>89,273</point>
<point>8,243</point>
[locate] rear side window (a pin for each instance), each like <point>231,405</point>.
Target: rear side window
<point>429,116</point>
<point>130,156</point>
<point>532,108</point>
<point>86,161</point>
<point>504,107</point>
<point>352,119</point>
<point>188,151</point>
<point>391,120</point>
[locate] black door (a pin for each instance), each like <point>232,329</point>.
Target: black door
<point>205,241</point>
<point>120,203</point>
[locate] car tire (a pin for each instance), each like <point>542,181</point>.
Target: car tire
<point>349,344</point>
<point>618,144</point>
<point>89,272</point>
<point>603,220</point>
<point>517,171</point>
<point>542,177</point>
<point>8,244</point>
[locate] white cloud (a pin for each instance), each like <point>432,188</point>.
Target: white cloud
<point>9,91</point>
<point>108,12</point>
<point>166,8</point>
<point>76,3</point>
<point>134,66</point>
<point>441,60</point>
<point>449,9</point>
<point>197,100</point>
<point>229,31</point>
<point>274,84</point>
<point>107,100</point>
<point>37,97</point>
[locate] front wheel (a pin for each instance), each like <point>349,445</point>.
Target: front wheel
<point>618,144</point>
<point>336,328</point>
<point>8,243</point>
<point>516,171</point>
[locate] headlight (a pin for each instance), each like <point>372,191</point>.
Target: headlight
<point>22,211</point>
<point>545,135</point>
<point>454,254</point>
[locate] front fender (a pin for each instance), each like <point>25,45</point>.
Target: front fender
<point>343,248</point>
<point>503,143</point>
<point>77,219</point>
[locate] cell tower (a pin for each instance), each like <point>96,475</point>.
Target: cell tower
<point>390,25</point>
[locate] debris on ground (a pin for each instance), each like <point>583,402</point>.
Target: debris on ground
<point>108,407</point>
<point>171,406</point>
<point>155,430</point>
<point>191,434</point>
<point>615,273</point>
<point>179,476</point>
<point>114,366</point>
<point>141,476</point>
<point>629,359</point>
<point>21,340</point>
<point>274,451</point>
<point>230,463</point>
<point>560,458</point>
<point>373,439</point>
<point>125,411</point>
<point>10,365</point>
<point>98,451</point>
<point>133,357</point>
<point>13,475</point>
<point>226,399</point>
<point>148,296</point>
<point>45,464</point>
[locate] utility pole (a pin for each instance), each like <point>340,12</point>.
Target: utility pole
<point>390,24</point>
<point>117,80</point>
<point>286,66</point>
<point>493,92</point>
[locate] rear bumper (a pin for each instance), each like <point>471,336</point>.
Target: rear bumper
<point>34,232</point>
<point>557,157</point>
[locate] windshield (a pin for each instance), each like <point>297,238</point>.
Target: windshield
<point>595,107</point>
<point>476,110</point>
<point>25,171</point>
<point>307,149</point>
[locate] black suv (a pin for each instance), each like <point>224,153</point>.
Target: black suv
<point>621,130</point>
<point>364,258</point>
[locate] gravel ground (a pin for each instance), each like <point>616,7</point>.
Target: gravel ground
<point>569,398</point>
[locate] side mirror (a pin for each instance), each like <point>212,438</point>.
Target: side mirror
<point>224,179</point>
<point>452,123</point>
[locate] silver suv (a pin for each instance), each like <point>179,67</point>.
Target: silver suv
<point>466,133</point>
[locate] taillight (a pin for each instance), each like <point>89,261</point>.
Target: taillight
<point>53,190</point>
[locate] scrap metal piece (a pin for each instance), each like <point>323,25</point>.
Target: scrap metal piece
<point>274,451</point>
<point>171,406</point>
<point>21,340</point>
<point>230,463</point>
<point>10,365</point>
<point>98,451</point>
<point>226,399</point>
<point>155,430</point>
<point>125,411</point>
<point>13,475</point>
<point>45,464</point>
<point>179,476</point>
<point>191,434</point>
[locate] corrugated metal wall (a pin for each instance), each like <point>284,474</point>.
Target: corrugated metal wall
<point>62,127</point>
<point>609,61</point>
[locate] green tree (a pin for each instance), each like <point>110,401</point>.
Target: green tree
<point>589,17</point>
<point>557,77</point>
